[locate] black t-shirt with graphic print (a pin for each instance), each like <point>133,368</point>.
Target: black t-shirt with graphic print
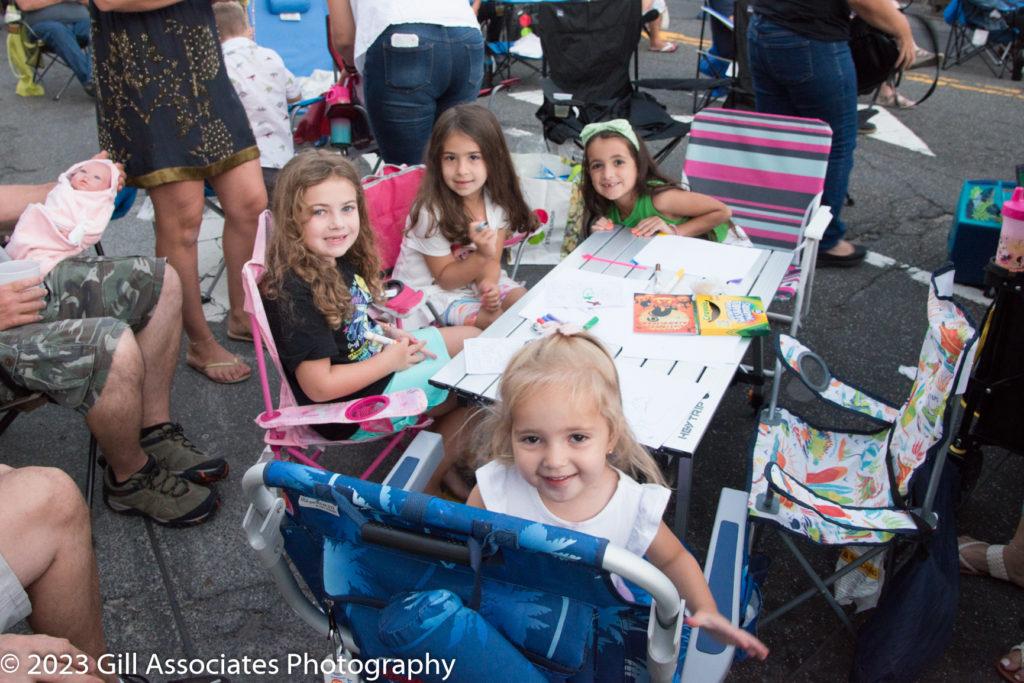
<point>301,334</point>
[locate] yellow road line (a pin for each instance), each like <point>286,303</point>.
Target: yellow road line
<point>1013,92</point>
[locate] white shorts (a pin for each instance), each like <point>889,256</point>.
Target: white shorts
<point>14,604</point>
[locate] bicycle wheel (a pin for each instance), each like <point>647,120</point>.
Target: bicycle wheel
<point>918,83</point>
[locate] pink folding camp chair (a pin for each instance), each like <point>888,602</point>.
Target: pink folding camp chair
<point>389,197</point>
<point>286,425</point>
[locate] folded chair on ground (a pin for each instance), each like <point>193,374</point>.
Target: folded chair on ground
<point>501,596</point>
<point>286,424</point>
<point>588,48</point>
<point>873,489</point>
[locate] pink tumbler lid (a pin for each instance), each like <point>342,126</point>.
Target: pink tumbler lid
<point>1014,207</point>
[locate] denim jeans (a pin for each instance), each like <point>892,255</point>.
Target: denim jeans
<point>407,88</point>
<point>70,42</point>
<point>799,76</point>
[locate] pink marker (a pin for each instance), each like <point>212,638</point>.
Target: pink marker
<point>599,259</point>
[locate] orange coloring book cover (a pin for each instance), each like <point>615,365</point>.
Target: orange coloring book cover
<point>666,313</point>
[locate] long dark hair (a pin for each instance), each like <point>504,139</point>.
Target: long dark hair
<point>649,179</point>
<point>502,186</point>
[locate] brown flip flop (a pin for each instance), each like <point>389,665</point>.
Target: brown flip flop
<point>204,370</point>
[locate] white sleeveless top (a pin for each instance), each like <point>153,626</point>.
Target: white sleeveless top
<point>630,520</point>
<point>373,16</point>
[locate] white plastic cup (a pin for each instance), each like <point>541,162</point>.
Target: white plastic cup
<point>20,269</point>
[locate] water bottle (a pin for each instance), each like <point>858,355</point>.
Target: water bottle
<point>1010,252</point>
<point>341,126</point>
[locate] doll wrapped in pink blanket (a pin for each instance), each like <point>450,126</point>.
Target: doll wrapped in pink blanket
<point>73,217</point>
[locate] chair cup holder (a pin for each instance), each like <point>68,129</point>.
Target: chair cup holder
<point>367,408</point>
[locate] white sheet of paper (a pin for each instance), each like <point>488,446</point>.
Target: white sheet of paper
<point>654,402</point>
<point>699,257</point>
<point>586,291</point>
<point>489,356</point>
<point>690,348</point>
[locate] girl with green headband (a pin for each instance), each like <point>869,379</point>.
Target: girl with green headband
<point>622,185</point>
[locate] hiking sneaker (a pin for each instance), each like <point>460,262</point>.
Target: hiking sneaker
<point>163,497</point>
<point>175,453</point>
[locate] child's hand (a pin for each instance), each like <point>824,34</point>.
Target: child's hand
<point>486,240</point>
<point>602,224</point>
<point>403,354</point>
<point>724,630</point>
<point>397,334</point>
<point>649,227</point>
<point>490,297</point>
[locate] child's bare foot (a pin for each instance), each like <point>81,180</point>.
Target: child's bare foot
<point>215,362</point>
<point>1010,665</point>
<point>490,306</point>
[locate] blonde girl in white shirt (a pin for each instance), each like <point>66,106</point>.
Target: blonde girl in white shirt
<point>563,454</point>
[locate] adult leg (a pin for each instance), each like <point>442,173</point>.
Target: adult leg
<point>796,76</point>
<point>135,482</point>
<point>61,39</point>
<point>83,35</point>
<point>160,352</point>
<point>179,212</point>
<point>402,91</point>
<point>978,557</point>
<point>459,64</point>
<point>46,539</point>
<point>243,197</point>
<point>115,419</point>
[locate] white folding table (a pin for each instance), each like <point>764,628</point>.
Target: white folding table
<point>621,246</point>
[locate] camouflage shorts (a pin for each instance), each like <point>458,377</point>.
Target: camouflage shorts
<point>92,301</point>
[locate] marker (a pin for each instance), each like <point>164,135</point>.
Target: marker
<point>599,259</point>
<point>590,323</point>
<point>678,276</point>
<point>379,338</point>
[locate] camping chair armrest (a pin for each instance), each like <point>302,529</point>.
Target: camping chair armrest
<point>666,619</point>
<point>397,404</point>
<point>262,526</point>
<point>706,658</point>
<point>816,376</point>
<point>819,221</point>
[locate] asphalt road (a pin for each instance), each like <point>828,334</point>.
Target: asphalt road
<point>201,592</point>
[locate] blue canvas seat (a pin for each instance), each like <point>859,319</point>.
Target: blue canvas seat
<point>402,574</point>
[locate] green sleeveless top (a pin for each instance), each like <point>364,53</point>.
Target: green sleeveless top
<point>644,208</point>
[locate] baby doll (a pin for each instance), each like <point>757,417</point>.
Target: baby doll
<point>73,217</point>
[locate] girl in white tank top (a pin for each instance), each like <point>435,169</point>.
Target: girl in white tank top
<point>562,454</point>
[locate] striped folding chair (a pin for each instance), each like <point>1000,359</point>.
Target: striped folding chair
<point>770,170</point>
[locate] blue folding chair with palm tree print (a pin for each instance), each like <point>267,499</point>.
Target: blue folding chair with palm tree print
<point>399,574</point>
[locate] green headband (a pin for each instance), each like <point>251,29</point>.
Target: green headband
<point>618,126</point>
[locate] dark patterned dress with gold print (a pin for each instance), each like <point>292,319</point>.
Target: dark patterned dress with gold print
<point>166,108</point>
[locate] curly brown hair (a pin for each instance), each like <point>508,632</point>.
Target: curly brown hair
<point>649,179</point>
<point>502,184</point>
<point>286,251</point>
